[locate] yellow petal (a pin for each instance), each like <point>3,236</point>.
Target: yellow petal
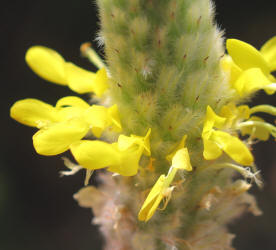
<point>46,63</point>
<point>181,160</point>
<point>129,161</point>
<point>179,146</point>
<point>268,51</point>
<point>97,117</point>
<point>73,101</point>
<point>114,117</point>
<point>58,137</point>
<point>101,82</point>
<point>212,120</point>
<point>250,81</point>
<point>231,68</point>
<point>95,154</point>
<point>97,131</point>
<point>83,81</point>
<point>153,200</point>
<point>256,131</point>
<point>78,79</point>
<point>233,146</point>
<point>68,113</point>
<point>228,111</point>
<point>246,56</point>
<point>211,150</point>
<point>154,207</point>
<point>34,113</point>
<point>125,142</point>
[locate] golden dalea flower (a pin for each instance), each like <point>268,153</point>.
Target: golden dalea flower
<point>51,66</point>
<point>67,122</point>
<point>216,141</point>
<point>250,69</point>
<point>162,189</point>
<point>239,118</point>
<point>121,157</point>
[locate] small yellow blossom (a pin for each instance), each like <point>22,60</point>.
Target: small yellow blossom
<point>238,118</point>
<point>121,157</point>
<point>51,66</point>
<point>161,188</point>
<point>67,122</point>
<point>248,81</point>
<point>215,141</point>
<point>250,69</point>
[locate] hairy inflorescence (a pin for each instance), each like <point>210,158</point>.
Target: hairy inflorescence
<point>168,119</point>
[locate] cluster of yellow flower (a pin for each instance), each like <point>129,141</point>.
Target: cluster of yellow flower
<point>62,127</point>
<point>250,69</point>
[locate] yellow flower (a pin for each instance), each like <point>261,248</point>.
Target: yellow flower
<point>161,188</point>
<point>248,81</point>
<point>246,56</point>
<point>237,118</point>
<point>215,141</point>
<point>121,157</point>
<point>51,66</point>
<point>67,122</point>
<point>250,69</point>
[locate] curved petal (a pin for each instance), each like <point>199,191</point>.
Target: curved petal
<point>57,138</point>
<point>180,145</point>
<point>95,154</point>
<point>78,79</point>
<point>246,56</point>
<point>69,113</point>
<point>97,117</point>
<point>250,81</point>
<point>153,200</point>
<point>129,161</point>
<point>73,101</point>
<point>34,113</point>
<point>101,82</point>
<point>114,117</point>
<point>211,150</point>
<point>125,142</point>
<point>268,51</point>
<point>46,63</point>
<point>231,68</point>
<point>233,146</point>
<point>212,120</point>
<point>83,81</point>
<point>181,160</point>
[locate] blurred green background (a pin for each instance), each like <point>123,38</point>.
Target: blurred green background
<point>37,210</point>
